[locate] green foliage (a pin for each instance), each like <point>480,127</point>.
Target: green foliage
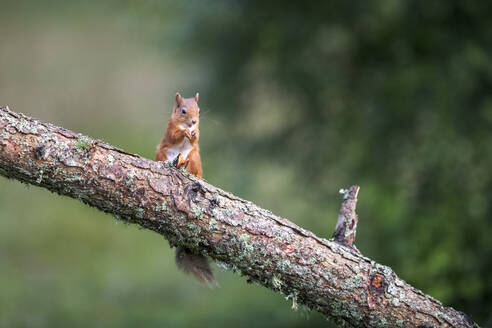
<point>298,100</point>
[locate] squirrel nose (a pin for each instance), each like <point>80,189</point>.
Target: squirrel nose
<point>193,121</point>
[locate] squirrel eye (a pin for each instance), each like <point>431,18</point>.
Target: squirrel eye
<point>183,110</point>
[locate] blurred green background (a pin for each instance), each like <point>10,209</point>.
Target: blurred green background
<point>298,100</point>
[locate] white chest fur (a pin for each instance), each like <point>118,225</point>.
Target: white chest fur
<point>183,148</point>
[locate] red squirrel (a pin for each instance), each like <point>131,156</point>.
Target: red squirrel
<point>180,142</point>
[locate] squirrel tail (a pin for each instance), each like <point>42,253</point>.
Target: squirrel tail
<point>195,264</point>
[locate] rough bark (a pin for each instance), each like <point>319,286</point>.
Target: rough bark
<point>326,276</point>
<point>346,227</point>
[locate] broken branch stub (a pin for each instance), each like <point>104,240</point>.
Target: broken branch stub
<point>346,227</point>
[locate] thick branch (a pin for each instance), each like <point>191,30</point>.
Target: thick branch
<point>330,278</point>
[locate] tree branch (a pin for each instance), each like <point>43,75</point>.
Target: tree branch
<point>325,276</point>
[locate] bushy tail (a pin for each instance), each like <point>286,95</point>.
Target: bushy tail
<point>195,264</point>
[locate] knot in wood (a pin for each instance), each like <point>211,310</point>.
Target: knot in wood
<point>213,203</point>
<point>196,187</point>
<point>193,190</point>
<point>39,152</point>
<point>378,283</point>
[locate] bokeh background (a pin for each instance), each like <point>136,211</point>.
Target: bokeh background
<point>298,100</point>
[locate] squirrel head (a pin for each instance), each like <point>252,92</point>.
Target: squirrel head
<point>186,113</point>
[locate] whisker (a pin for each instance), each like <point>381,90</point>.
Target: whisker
<point>203,116</point>
<point>206,118</point>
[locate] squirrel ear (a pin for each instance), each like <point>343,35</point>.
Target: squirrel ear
<point>196,97</point>
<point>179,99</point>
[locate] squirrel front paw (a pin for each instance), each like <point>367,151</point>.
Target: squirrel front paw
<point>191,135</point>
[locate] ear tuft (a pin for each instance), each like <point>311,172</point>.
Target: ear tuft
<point>196,97</point>
<point>179,99</point>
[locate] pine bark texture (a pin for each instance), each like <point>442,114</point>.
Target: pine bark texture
<point>326,276</point>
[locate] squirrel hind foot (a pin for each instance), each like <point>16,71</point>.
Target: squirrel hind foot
<point>180,161</point>
<point>196,265</point>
